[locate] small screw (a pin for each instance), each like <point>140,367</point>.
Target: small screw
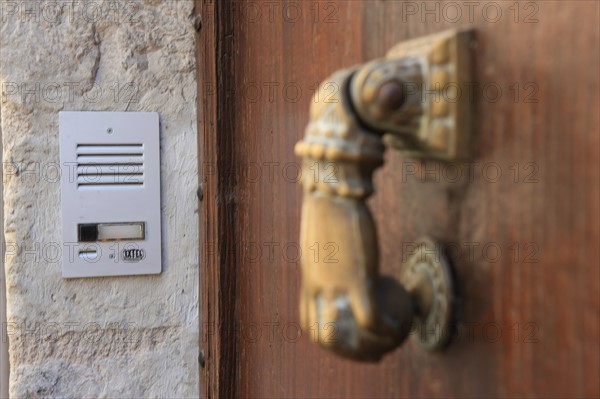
<point>109,130</point>
<point>197,22</point>
<point>201,359</point>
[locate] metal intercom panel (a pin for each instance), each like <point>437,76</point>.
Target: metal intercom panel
<point>110,193</point>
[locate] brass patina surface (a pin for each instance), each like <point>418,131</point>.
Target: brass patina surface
<point>348,305</point>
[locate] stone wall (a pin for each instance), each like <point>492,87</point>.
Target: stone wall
<point>98,337</point>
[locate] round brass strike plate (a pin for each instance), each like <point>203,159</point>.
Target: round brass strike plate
<point>428,277</point>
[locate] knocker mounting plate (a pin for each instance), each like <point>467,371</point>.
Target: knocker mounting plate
<point>418,96</point>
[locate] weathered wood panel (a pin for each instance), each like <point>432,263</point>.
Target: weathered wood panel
<point>522,222</point>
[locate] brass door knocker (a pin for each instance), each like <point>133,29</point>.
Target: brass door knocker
<point>408,101</point>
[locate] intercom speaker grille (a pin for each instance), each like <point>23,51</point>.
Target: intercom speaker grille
<point>106,166</point>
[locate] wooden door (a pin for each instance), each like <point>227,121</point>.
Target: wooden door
<point>523,227</point>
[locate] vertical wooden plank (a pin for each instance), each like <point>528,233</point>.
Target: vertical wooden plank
<point>216,110</point>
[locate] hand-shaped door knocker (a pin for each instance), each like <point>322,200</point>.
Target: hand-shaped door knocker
<point>408,101</point>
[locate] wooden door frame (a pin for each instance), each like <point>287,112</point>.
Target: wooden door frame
<point>217,285</point>
<point>4,363</point>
